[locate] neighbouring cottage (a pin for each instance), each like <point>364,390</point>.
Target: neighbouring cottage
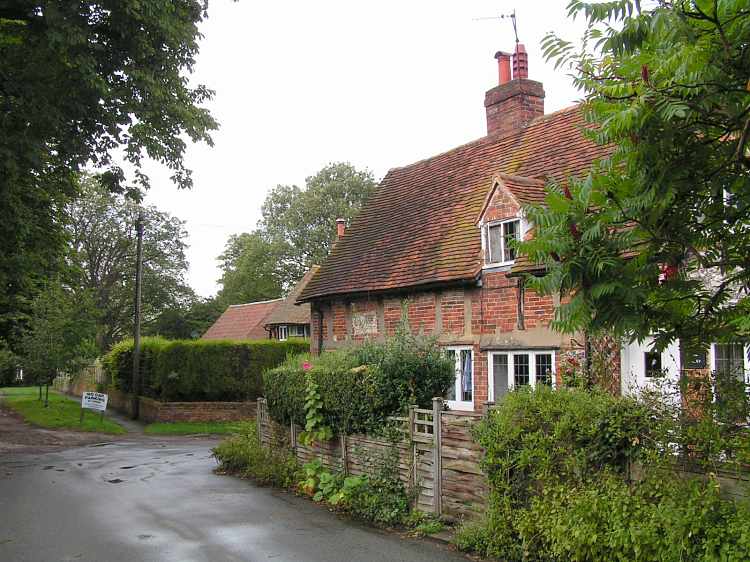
<point>435,237</point>
<point>289,319</point>
<point>243,321</point>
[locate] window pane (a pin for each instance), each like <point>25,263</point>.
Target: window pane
<point>544,368</point>
<point>467,382</point>
<point>500,375</point>
<point>730,359</point>
<point>520,370</point>
<point>495,243</point>
<point>512,232</point>
<point>652,360</point>
<point>451,394</point>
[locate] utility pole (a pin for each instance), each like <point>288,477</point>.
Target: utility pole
<point>136,389</point>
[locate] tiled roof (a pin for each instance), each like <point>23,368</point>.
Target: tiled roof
<point>288,312</point>
<point>242,322</point>
<point>419,227</point>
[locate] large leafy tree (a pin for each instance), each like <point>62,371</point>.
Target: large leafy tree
<point>102,258</point>
<point>301,222</point>
<point>249,270</point>
<point>78,80</point>
<point>657,239</point>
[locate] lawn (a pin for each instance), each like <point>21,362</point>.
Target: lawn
<point>191,428</point>
<point>62,412</point>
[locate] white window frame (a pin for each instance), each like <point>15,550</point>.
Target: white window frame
<point>486,240</point>
<point>462,405</point>
<point>283,329</point>
<point>532,353</point>
<point>745,361</point>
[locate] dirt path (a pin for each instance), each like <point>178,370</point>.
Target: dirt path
<point>17,436</point>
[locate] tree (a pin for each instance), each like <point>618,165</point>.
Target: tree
<point>301,223</point>
<point>102,232</point>
<point>61,333</point>
<point>188,321</point>
<point>79,79</point>
<point>250,271</point>
<point>656,240</point>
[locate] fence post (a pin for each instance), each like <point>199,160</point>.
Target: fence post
<point>258,420</point>
<point>437,463</point>
<point>344,454</point>
<point>412,453</point>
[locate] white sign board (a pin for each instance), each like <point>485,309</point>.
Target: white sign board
<point>94,401</point>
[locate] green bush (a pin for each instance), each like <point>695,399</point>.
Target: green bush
<point>557,464</point>
<point>197,370</point>
<point>243,455</point>
<point>360,387</point>
<point>284,390</point>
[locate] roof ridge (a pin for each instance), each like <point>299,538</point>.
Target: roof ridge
<point>255,302</point>
<point>488,138</point>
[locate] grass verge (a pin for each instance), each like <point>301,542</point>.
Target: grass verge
<point>62,412</point>
<point>190,428</point>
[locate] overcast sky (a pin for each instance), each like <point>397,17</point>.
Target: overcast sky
<point>300,84</point>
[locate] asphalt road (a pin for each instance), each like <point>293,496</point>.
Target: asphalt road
<point>158,499</point>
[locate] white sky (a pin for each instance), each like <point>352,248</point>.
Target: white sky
<point>301,84</point>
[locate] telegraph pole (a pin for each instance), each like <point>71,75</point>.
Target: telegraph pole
<point>136,388</point>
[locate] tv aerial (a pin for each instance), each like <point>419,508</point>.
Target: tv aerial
<point>511,16</point>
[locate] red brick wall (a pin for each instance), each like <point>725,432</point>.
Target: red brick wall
<point>457,316</point>
<point>151,411</point>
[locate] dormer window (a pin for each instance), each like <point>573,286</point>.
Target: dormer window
<point>500,250</point>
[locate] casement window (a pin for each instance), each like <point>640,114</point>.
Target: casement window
<point>461,395</point>
<point>499,237</point>
<point>515,369</point>
<point>283,333</point>
<point>652,364</point>
<point>730,359</point>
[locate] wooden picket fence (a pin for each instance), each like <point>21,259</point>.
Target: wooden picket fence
<point>437,457</point>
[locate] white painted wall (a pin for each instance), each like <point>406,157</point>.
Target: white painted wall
<point>633,367</point>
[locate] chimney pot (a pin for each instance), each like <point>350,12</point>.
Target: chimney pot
<point>340,227</point>
<point>520,62</point>
<point>503,67</point>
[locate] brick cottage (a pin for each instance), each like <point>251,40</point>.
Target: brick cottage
<point>434,240</point>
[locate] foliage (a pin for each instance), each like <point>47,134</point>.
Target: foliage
<point>558,464</point>
<point>187,320</point>
<point>60,338</point>
<point>61,413</point>
<point>284,389</point>
<point>301,222</point>
<point>79,80</point>
<point>654,241</point>
<point>315,429</point>
<point>378,497</point>
<point>195,370</point>
<point>102,231</point>
<point>243,454</point>
<point>360,387</point>
<point>249,270</point>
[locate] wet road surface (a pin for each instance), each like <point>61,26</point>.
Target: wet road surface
<point>153,499</point>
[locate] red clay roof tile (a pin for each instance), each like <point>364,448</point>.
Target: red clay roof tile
<point>420,228</point>
<point>242,321</point>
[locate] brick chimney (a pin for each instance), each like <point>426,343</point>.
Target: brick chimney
<point>340,228</point>
<point>513,103</point>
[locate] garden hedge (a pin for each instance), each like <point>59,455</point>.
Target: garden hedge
<point>199,370</point>
<point>360,387</point>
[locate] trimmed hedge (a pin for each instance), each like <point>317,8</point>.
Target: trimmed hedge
<point>198,370</point>
<point>362,386</point>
